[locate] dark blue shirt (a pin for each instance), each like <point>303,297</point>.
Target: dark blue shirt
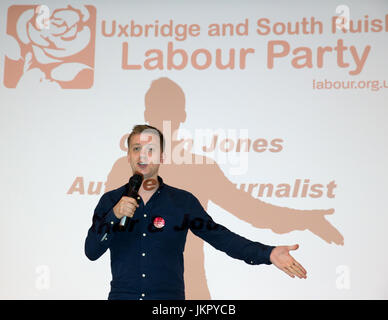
<point>147,261</point>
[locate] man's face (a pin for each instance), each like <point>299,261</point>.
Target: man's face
<point>144,154</point>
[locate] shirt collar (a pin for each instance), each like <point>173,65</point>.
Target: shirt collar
<point>160,180</point>
<point>161,183</point>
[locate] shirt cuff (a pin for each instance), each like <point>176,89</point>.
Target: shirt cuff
<point>261,254</point>
<point>111,218</point>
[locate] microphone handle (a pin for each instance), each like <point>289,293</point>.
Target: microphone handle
<point>123,221</point>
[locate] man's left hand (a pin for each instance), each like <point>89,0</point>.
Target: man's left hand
<point>281,258</point>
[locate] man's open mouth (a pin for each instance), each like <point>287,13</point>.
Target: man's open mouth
<point>142,165</point>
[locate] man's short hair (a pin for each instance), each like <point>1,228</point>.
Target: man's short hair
<point>139,128</point>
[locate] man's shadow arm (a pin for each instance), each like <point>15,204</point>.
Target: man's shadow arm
<point>264,215</point>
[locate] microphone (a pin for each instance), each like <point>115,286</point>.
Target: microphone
<point>134,185</point>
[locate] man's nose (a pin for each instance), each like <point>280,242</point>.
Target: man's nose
<point>143,154</point>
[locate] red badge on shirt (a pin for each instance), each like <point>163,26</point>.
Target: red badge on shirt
<point>159,222</point>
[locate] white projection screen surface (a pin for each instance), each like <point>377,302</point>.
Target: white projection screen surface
<point>275,116</point>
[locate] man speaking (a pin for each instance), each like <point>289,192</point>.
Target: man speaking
<point>147,250</point>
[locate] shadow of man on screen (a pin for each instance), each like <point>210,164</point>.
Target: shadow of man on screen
<point>165,101</point>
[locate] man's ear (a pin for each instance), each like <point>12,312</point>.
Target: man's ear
<point>162,157</point>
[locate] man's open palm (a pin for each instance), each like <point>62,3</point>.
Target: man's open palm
<point>281,258</point>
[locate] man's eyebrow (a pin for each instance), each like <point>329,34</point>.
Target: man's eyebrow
<point>138,144</point>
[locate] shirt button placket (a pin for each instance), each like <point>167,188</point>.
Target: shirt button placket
<point>143,248</point>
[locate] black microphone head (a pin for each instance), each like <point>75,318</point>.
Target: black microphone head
<point>132,190</point>
<point>135,181</point>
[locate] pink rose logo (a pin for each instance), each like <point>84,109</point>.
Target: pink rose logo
<point>50,46</point>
